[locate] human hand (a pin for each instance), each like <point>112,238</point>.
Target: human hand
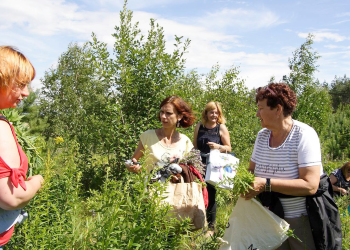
<point>37,179</point>
<point>258,186</point>
<point>343,191</point>
<point>213,145</point>
<point>134,167</point>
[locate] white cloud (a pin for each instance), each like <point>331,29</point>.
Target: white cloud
<point>139,4</point>
<point>343,21</point>
<point>215,36</point>
<point>344,14</point>
<point>320,36</point>
<point>240,19</point>
<point>210,46</point>
<point>55,17</point>
<point>259,76</point>
<point>331,46</point>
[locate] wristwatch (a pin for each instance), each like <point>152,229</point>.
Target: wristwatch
<point>268,185</point>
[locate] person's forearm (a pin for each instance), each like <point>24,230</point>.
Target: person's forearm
<point>18,197</point>
<point>224,148</point>
<point>335,188</point>
<point>33,187</point>
<point>296,187</point>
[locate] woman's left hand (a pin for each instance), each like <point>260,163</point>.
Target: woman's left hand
<point>258,186</point>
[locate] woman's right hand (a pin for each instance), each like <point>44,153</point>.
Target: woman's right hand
<point>135,168</point>
<point>37,179</point>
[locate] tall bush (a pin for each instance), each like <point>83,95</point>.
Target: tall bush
<point>314,102</point>
<point>336,134</point>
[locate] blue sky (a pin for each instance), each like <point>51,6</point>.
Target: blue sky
<point>258,36</point>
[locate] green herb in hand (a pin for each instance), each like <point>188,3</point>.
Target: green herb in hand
<point>242,180</point>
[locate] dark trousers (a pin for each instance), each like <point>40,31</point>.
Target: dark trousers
<point>211,209</point>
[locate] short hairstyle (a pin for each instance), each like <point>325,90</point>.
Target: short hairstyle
<point>14,67</point>
<point>278,93</point>
<point>211,106</point>
<point>182,108</point>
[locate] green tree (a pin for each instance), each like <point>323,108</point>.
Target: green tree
<point>30,110</point>
<point>314,102</point>
<point>144,68</point>
<point>238,107</point>
<point>104,102</point>
<point>237,103</point>
<point>340,91</point>
<point>336,134</point>
<point>74,97</point>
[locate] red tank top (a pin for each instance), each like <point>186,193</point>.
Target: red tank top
<point>17,176</point>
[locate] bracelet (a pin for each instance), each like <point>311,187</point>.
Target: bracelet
<point>268,185</point>
<point>220,147</point>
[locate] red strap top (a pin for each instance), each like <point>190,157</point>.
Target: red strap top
<point>17,175</point>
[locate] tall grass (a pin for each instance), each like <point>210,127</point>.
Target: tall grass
<point>124,213</point>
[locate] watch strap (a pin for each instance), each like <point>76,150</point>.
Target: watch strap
<point>268,185</point>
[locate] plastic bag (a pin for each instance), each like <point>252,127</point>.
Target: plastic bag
<point>220,167</point>
<point>252,226</point>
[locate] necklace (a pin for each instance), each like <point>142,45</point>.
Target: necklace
<point>164,139</point>
<point>283,139</point>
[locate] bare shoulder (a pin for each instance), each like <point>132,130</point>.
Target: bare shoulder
<point>223,128</point>
<point>5,131</point>
<point>197,126</point>
<point>8,148</point>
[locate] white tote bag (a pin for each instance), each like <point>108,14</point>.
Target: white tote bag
<point>221,166</point>
<point>252,226</point>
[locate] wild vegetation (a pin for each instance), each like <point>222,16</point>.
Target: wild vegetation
<point>85,122</point>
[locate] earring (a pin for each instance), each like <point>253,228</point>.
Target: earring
<point>178,124</point>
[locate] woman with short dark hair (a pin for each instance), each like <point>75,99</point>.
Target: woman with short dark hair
<point>286,161</point>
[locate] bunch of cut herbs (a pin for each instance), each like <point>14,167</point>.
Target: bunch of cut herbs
<point>242,180</point>
<point>193,158</point>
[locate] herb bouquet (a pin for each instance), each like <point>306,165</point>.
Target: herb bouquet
<point>193,158</point>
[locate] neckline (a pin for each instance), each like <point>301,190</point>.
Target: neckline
<point>284,140</point>
<point>164,145</point>
<point>210,128</point>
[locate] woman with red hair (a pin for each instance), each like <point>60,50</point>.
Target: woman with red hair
<point>165,144</point>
